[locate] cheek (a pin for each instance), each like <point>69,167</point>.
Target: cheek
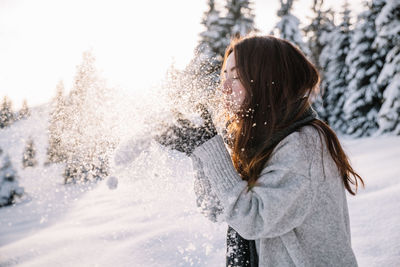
<point>243,94</point>
<point>239,93</point>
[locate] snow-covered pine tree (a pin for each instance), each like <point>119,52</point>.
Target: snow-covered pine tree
<point>202,73</point>
<point>320,23</point>
<point>212,42</point>
<point>57,124</point>
<point>219,31</point>
<point>87,135</point>
<point>318,35</point>
<point>388,43</point>
<point>239,18</point>
<point>6,113</point>
<point>333,61</point>
<point>29,155</point>
<point>288,27</point>
<point>363,97</point>
<point>24,111</point>
<point>204,68</point>
<point>9,186</point>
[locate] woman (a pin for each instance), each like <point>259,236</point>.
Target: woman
<point>281,187</point>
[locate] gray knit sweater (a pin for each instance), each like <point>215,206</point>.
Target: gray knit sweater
<point>297,213</point>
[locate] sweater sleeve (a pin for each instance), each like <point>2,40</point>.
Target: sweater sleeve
<point>280,200</point>
<point>208,202</point>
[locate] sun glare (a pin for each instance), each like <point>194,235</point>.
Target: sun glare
<point>133,42</point>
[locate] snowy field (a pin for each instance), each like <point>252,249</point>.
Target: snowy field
<point>151,219</point>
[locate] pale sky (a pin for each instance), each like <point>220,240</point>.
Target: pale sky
<point>134,42</point>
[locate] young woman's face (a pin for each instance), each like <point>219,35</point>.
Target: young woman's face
<point>232,88</point>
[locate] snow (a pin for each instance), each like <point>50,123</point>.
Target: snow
<point>386,13</point>
<point>375,210</point>
<point>146,215</point>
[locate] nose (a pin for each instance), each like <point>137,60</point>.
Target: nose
<point>227,87</point>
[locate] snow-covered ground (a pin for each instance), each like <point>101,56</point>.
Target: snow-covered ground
<point>151,218</point>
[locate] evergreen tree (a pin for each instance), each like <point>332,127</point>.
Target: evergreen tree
<point>6,113</point>
<point>363,95</point>
<point>204,68</point>
<point>29,156</point>
<point>322,35</point>
<point>77,171</point>
<point>336,70</point>
<point>55,152</point>
<point>202,73</point>
<point>24,112</point>
<point>321,23</point>
<point>219,31</point>
<point>387,42</point>
<point>87,139</point>
<point>288,26</point>
<point>9,188</point>
<point>239,18</point>
<point>212,42</point>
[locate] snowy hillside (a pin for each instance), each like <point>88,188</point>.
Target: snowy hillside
<point>151,218</point>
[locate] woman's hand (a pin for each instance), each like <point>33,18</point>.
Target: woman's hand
<point>185,136</point>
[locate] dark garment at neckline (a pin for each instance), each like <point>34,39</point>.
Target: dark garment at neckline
<point>240,251</point>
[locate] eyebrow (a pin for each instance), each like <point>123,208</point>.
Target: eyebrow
<point>234,67</point>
